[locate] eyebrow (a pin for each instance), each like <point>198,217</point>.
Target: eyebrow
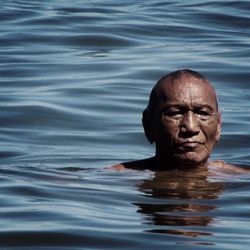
<point>183,106</point>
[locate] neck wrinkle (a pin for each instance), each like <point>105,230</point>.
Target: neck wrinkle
<point>164,163</point>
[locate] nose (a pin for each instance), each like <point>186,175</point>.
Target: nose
<point>189,125</point>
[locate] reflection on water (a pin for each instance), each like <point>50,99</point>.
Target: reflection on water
<point>184,202</point>
<point>74,79</point>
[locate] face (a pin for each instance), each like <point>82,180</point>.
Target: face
<point>186,122</point>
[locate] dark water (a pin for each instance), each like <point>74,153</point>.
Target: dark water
<point>74,79</point>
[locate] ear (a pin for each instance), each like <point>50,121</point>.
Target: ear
<point>147,122</point>
<point>219,122</point>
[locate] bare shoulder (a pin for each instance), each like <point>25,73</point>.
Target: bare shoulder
<point>226,167</point>
<point>117,167</point>
<point>143,164</point>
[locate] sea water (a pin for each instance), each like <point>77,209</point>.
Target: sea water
<point>75,77</point>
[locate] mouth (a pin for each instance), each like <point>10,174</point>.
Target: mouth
<point>188,146</point>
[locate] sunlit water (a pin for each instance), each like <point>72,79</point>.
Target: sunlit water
<point>74,79</point>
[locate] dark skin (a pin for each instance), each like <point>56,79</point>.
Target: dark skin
<point>184,122</point>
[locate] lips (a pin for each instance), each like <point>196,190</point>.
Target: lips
<point>193,143</point>
<point>188,145</point>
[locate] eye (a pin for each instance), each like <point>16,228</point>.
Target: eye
<point>204,114</point>
<point>173,113</point>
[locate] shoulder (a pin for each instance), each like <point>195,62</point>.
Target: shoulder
<point>222,166</point>
<point>117,167</point>
<point>137,165</point>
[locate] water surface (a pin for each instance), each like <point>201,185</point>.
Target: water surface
<point>74,79</point>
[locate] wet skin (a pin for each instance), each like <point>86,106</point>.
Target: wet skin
<point>186,123</point>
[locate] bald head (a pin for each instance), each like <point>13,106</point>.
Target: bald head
<point>183,78</point>
<point>182,118</point>
<point>184,86</point>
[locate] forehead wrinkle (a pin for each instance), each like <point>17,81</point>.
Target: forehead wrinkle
<point>155,94</point>
<point>163,87</point>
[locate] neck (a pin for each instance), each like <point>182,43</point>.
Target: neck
<point>164,163</point>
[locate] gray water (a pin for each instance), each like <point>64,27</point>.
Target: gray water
<point>74,79</point>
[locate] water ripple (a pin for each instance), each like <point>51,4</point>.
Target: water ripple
<point>75,79</point>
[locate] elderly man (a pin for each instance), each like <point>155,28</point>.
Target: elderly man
<point>184,122</point>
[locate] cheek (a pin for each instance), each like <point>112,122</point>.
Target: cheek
<point>210,130</point>
<point>169,130</point>
<point>167,123</point>
<point>210,134</point>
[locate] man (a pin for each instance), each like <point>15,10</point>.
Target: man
<point>184,122</point>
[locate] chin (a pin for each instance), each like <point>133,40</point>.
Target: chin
<point>191,159</point>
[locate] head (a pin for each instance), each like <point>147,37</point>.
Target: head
<point>182,118</point>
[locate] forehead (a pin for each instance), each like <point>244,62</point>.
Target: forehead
<point>187,91</point>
